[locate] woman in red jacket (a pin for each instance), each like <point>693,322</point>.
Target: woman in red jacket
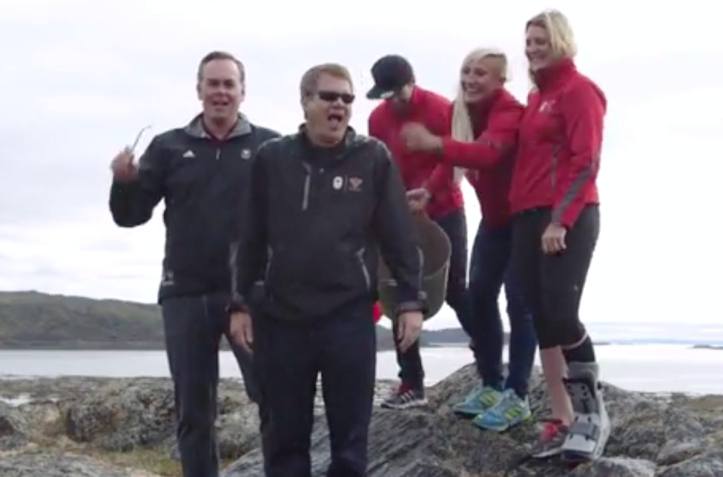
<point>485,122</point>
<point>555,203</point>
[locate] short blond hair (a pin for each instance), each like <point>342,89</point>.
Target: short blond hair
<point>310,80</point>
<point>562,40</point>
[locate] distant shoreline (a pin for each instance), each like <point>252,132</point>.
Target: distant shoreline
<point>91,346</point>
<point>153,346</point>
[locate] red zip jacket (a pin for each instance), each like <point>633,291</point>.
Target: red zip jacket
<point>491,157</point>
<point>559,144</point>
<point>420,169</point>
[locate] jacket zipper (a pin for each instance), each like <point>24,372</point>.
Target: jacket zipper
<point>218,153</point>
<point>307,187</point>
<point>360,257</point>
<point>269,259</point>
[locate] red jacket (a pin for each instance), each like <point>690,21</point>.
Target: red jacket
<point>491,157</point>
<point>420,169</point>
<point>377,312</point>
<point>559,144</point>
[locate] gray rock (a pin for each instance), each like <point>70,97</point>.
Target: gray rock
<point>238,431</point>
<point>434,442</point>
<point>123,414</point>
<point>616,467</point>
<point>653,434</point>
<point>58,464</point>
<point>675,451</point>
<point>12,426</point>
<point>709,464</point>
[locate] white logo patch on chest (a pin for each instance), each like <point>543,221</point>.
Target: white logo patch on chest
<point>355,184</point>
<point>245,154</point>
<point>546,106</point>
<point>337,183</point>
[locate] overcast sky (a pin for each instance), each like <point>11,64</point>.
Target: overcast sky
<point>80,78</point>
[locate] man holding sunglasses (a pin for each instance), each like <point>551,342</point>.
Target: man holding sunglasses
<point>431,188</point>
<point>202,172</point>
<point>324,202</point>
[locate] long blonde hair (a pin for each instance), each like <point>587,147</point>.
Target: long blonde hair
<point>562,39</point>
<point>462,129</point>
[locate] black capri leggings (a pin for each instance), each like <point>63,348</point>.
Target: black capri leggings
<point>553,284</point>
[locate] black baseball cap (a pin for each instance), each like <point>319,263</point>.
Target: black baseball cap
<point>391,73</point>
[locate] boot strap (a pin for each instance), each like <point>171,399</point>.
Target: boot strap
<point>588,430</point>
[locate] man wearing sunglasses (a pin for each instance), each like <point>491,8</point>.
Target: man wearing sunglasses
<point>202,173</point>
<point>324,202</point>
<point>431,189</point>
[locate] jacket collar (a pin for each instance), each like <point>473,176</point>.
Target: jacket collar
<point>351,138</point>
<point>549,77</point>
<point>483,106</point>
<point>416,102</point>
<point>195,128</point>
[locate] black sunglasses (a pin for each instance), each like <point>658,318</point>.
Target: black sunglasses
<point>333,96</point>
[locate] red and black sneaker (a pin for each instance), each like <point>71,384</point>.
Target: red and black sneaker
<point>405,397</point>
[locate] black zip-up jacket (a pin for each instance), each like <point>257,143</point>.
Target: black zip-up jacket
<point>204,183</point>
<point>319,219</point>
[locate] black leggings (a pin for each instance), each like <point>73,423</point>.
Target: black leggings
<point>553,284</point>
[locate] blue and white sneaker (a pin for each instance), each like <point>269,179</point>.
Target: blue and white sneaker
<point>509,412</point>
<point>479,400</point>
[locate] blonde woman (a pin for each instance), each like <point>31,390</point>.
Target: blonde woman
<point>485,120</point>
<point>555,202</point>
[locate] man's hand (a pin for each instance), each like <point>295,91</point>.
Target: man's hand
<point>418,199</point>
<point>418,138</point>
<point>123,167</point>
<point>241,330</point>
<point>553,239</point>
<point>409,329</point>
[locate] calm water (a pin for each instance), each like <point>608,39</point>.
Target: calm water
<point>651,367</point>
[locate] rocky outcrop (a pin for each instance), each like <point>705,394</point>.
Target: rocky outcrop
<point>12,428</point>
<point>61,464</point>
<point>654,435</point>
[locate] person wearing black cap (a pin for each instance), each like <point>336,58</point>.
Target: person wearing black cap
<point>432,188</point>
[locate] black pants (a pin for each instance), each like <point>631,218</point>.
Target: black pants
<point>193,328</point>
<point>289,357</point>
<point>411,371</point>
<point>553,284</point>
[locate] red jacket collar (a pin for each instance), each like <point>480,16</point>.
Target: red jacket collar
<point>483,106</point>
<point>415,102</point>
<point>554,74</point>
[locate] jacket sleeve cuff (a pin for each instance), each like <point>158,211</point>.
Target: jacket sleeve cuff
<point>418,304</point>
<point>237,304</point>
<point>449,149</point>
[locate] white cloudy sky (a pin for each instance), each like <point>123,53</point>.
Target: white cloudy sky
<point>80,77</point>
